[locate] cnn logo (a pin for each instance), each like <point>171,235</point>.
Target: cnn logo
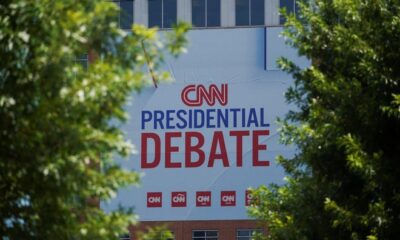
<point>228,198</point>
<point>203,199</point>
<point>154,199</point>
<point>178,199</point>
<point>195,95</point>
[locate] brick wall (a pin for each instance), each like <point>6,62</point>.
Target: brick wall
<point>183,229</point>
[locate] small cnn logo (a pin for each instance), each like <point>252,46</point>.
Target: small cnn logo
<point>228,198</point>
<point>248,197</point>
<point>154,199</point>
<point>203,199</point>
<point>194,95</point>
<point>178,199</point>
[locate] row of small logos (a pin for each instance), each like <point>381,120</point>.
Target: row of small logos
<point>203,199</point>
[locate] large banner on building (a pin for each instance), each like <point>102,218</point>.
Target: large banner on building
<point>205,139</point>
<point>201,146</point>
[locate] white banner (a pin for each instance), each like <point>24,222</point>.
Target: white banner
<point>203,140</point>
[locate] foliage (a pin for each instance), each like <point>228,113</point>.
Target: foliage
<point>344,182</point>
<point>55,131</point>
<point>158,233</point>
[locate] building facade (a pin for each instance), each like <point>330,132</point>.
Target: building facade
<point>204,13</point>
<point>211,135</point>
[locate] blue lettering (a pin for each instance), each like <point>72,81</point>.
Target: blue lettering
<point>252,118</point>
<point>146,116</point>
<point>243,117</point>
<point>263,123</point>
<point>198,121</point>
<point>170,119</point>
<point>158,118</point>
<point>224,117</point>
<point>190,118</point>
<point>180,114</point>
<point>235,111</point>
<point>210,118</point>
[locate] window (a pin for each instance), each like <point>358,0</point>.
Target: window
<point>162,13</point>
<point>204,235</point>
<point>290,6</point>
<point>247,234</point>
<point>125,237</point>
<point>206,13</point>
<point>126,14</point>
<point>249,12</point>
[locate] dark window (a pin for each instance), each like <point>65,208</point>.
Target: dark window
<point>206,13</point>
<point>247,234</point>
<point>162,13</point>
<point>126,13</point>
<point>169,9</point>
<point>289,5</point>
<point>155,13</point>
<point>199,13</point>
<point>125,237</point>
<point>257,12</point>
<point>213,13</point>
<point>242,12</point>
<point>204,235</point>
<point>249,12</point>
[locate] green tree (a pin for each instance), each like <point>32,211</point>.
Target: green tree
<point>344,181</point>
<point>159,233</point>
<point>57,142</point>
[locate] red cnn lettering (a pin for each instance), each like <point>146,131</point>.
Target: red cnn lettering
<point>228,198</point>
<point>169,149</point>
<point>258,147</point>
<point>189,148</point>
<point>178,199</point>
<point>203,199</point>
<point>154,199</point>
<point>157,145</point>
<point>200,93</point>
<point>239,145</point>
<point>218,140</point>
